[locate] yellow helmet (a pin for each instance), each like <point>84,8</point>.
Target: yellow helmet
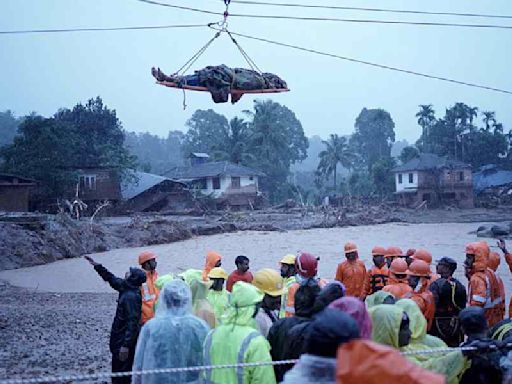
<point>288,259</point>
<point>218,273</point>
<point>268,281</point>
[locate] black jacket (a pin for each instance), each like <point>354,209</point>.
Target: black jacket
<point>449,295</point>
<point>126,324</point>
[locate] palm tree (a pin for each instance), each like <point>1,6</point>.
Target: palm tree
<point>426,117</point>
<point>489,119</point>
<point>337,152</point>
<point>234,147</point>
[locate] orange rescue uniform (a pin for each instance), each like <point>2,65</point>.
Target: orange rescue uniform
<point>353,275</point>
<point>508,259</point>
<point>399,288</point>
<point>290,303</point>
<point>376,279</point>
<point>149,296</point>
<point>212,258</point>
<point>493,264</point>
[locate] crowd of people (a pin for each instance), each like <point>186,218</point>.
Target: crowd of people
<point>370,326</point>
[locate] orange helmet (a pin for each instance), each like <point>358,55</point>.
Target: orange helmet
<point>494,261</point>
<point>377,251</point>
<point>471,248</point>
<point>423,254</point>
<point>146,256</point>
<point>393,252</point>
<point>350,247</point>
<point>419,268</point>
<point>410,252</point>
<point>398,266</point>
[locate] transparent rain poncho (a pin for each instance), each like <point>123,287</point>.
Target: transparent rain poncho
<point>201,307</point>
<point>418,325</point>
<point>377,298</point>
<point>172,339</point>
<point>386,321</point>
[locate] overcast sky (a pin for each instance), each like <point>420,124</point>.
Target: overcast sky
<point>43,72</point>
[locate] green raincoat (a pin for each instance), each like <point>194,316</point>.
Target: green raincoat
<point>219,301</point>
<point>377,298</point>
<point>386,321</point>
<point>236,340</point>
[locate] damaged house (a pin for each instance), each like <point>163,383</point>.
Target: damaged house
<point>152,193</point>
<point>15,192</point>
<point>434,180</point>
<point>493,185</point>
<point>231,185</point>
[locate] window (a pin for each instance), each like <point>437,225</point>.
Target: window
<point>201,184</point>
<point>461,176</point>
<point>411,178</point>
<point>251,178</point>
<point>399,178</point>
<point>235,182</point>
<point>87,182</point>
<point>216,182</point>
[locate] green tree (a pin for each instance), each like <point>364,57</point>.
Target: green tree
<point>337,151</point>
<point>276,140</point>
<point>373,136</point>
<point>426,118</point>
<point>8,127</point>
<point>206,132</point>
<point>234,146</point>
<point>383,176</point>
<point>408,153</point>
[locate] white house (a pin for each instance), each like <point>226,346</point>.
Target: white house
<point>228,182</point>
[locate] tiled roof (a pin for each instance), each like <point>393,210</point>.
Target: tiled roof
<point>211,169</point>
<point>429,161</point>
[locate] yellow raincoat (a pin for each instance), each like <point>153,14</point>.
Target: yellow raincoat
<point>418,325</point>
<point>219,301</point>
<point>386,321</point>
<point>237,340</point>
<point>377,298</point>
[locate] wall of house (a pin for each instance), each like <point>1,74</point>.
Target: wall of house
<point>405,184</point>
<point>14,198</point>
<point>246,186</point>
<point>107,186</point>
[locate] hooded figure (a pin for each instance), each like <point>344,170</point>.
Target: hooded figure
<point>217,295</point>
<point>173,338</point>
<point>418,325</point>
<point>388,329</point>
<point>201,307</point>
<point>126,324</point>
<point>380,297</point>
<point>357,309</point>
<point>483,288</point>
<point>237,341</point>
<point>279,332</point>
<point>364,361</point>
<point>330,329</point>
<point>213,259</point>
<point>493,264</point>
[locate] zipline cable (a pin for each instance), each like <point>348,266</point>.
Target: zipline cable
<point>331,19</point>
<point>382,10</point>
<point>28,31</point>
<point>382,66</point>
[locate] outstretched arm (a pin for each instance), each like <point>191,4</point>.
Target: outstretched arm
<point>114,281</point>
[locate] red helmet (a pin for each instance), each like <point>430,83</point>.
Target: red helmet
<point>306,265</point>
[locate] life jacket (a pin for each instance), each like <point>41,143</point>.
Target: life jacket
<point>377,279</point>
<point>149,293</point>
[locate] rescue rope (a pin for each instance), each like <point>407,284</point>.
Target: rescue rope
<point>108,375</point>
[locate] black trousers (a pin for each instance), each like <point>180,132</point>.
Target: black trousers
<point>122,366</point>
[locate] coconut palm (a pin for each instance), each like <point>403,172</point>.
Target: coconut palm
<point>337,151</point>
<point>489,119</point>
<point>426,117</point>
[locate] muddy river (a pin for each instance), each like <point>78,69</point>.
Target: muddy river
<point>264,250</point>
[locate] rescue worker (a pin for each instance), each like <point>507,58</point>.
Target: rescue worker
<point>352,272</point>
<point>391,254</point>
<point>493,264</point>
<point>391,327</point>
<point>408,255</point>
<point>450,298</point>
<point>201,307</point>
<point>483,289</point>
<point>418,276</point>
<point>237,341</point>
<point>377,276</point>
<point>241,273</point>
<point>508,259</point>
<point>270,283</point>
<point>217,295</point>
<point>306,266</point>
<point>418,325</point>
<point>288,274</point>
<point>213,259</point>
<point>357,310</point>
<point>379,297</point>
<point>126,324</point>
<point>398,284</point>
<point>364,361</point>
<point>328,331</point>
<point>172,339</point>
<point>426,256</point>
<point>484,367</point>
<point>149,292</point>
